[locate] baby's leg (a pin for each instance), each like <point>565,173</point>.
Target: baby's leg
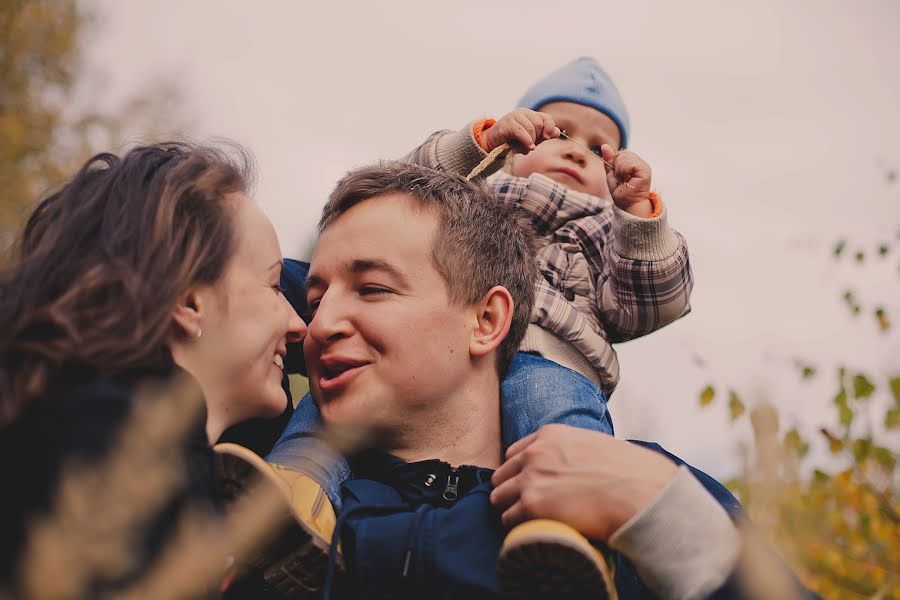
<point>299,449</point>
<point>537,391</point>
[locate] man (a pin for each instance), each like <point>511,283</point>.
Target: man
<point>420,290</point>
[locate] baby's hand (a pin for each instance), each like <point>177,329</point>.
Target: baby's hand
<point>522,129</point>
<point>629,180</point>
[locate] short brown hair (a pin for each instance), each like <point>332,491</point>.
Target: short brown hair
<point>101,263</point>
<point>479,243</point>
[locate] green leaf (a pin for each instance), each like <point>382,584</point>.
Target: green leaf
<point>862,387</point>
<point>894,383</point>
<point>845,414</point>
<point>820,477</point>
<point>884,457</point>
<point>860,256</point>
<point>707,395</point>
<point>835,444</point>
<point>807,371</point>
<point>892,418</point>
<point>862,447</point>
<point>735,407</point>
<point>883,249</point>
<point>839,247</point>
<point>840,399</point>
<point>794,442</point>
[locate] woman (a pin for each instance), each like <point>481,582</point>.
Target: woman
<point>138,269</point>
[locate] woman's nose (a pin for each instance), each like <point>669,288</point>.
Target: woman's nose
<point>297,329</point>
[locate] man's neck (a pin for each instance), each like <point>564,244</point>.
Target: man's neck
<point>465,431</point>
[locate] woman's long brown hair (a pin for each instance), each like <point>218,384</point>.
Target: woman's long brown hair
<point>101,263</point>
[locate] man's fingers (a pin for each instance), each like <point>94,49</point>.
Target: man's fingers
<point>520,445</point>
<point>506,494</point>
<point>514,515</point>
<point>506,471</point>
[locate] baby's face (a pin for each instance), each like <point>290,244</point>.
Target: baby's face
<point>564,161</point>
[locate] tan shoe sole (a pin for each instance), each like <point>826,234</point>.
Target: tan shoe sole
<point>549,559</point>
<point>295,562</point>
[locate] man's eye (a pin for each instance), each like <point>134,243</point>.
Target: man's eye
<point>371,290</point>
<point>312,305</point>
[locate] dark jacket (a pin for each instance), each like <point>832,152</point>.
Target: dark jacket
<point>426,530</point>
<point>78,423</point>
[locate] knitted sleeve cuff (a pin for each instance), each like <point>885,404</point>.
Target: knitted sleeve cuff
<point>478,128</point>
<point>458,152</point>
<point>683,545</point>
<point>642,238</point>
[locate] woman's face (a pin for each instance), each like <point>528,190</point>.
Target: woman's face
<point>246,325</point>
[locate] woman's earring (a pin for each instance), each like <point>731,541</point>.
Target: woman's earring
<point>197,337</point>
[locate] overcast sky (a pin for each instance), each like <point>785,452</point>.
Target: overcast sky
<point>770,127</point>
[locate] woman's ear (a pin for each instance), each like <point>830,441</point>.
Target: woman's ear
<point>187,315</point>
<point>493,316</point>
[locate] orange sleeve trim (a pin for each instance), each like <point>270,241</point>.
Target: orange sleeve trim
<point>479,127</point>
<point>656,203</point>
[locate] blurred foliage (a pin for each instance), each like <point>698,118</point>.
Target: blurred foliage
<point>45,132</point>
<point>837,524</point>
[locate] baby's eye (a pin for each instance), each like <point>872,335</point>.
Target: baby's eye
<point>596,150</point>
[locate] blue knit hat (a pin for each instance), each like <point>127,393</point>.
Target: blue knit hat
<point>582,81</point>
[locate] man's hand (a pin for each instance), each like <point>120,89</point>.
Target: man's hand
<point>589,480</point>
<point>629,180</point>
<point>522,129</point>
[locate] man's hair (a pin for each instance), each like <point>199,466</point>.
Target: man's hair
<point>478,243</point>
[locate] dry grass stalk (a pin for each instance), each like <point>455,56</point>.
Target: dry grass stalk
<point>101,508</point>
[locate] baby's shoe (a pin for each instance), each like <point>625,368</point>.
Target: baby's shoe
<point>549,559</point>
<point>296,562</point>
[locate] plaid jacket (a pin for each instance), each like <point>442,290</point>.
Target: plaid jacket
<point>608,276</point>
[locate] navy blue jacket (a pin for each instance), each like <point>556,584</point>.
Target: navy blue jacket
<point>426,530</point>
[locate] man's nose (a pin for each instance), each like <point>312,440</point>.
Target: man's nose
<point>331,319</point>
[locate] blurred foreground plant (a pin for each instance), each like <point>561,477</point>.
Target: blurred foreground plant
<point>838,522</point>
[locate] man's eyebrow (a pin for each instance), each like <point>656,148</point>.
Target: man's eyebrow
<point>363,265</point>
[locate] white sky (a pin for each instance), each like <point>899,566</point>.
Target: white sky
<point>770,127</point>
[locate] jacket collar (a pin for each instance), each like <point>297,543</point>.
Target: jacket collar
<point>427,481</point>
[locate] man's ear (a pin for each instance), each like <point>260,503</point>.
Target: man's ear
<point>493,316</point>
<point>187,315</point>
